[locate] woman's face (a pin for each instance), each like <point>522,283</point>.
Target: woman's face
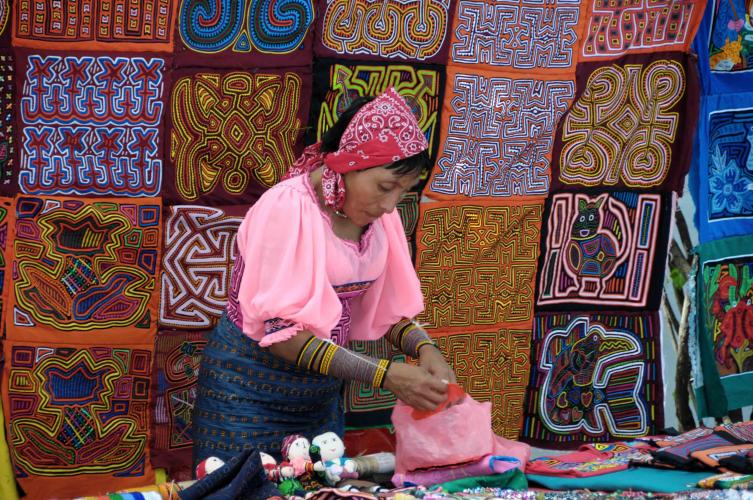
<point>373,192</point>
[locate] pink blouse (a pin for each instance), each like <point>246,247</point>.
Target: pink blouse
<point>293,273</point>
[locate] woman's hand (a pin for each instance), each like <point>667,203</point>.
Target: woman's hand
<point>415,386</point>
<point>430,358</point>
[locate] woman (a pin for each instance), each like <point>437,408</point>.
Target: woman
<point>322,259</point>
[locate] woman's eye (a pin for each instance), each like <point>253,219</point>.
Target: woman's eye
<point>384,189</point>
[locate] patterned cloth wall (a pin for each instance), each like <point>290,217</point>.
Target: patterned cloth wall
<point>134,136</point>
<point>722,185</point>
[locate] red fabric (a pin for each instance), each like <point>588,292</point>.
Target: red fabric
<point>383,131</point>
<point>367,441</point>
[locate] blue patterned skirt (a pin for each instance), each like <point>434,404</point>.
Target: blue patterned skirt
<point>248,398</point>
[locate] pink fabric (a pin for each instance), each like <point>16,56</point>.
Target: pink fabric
<point>382,132</point>
<point>291,261</point>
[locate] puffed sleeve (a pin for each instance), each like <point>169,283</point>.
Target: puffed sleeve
<point>395,294</point>
<point>284,287</point>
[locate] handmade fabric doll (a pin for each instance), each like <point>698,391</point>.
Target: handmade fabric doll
<point>333,463</point>
<point>295,451</point>
<point>207,466</point>
<point>275,473</point>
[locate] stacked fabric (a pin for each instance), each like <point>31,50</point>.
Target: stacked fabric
<point>653,463</point>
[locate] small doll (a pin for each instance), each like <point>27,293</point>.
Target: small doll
<point>207,466</point>
<point>295,452</point>
<point>333,463</point>
<point>275,473</point>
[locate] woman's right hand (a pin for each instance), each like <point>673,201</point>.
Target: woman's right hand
<point>415,386</point>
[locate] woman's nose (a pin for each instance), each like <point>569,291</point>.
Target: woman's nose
<point>390,202</point>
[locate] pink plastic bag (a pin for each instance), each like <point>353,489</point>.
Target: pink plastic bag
<point>458,434</point>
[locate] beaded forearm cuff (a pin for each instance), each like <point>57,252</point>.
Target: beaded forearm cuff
<point>327,358</point>
<point>409,337</point>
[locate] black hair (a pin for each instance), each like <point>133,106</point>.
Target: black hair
<point>413,165</point>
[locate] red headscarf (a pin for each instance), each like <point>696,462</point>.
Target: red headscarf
<point>382,132</point>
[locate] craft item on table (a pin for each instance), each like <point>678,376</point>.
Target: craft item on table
<point>711,456</point>
<point>727,480</point>
<point>374,463</point>
<point>590,460</point>
<point>295,453</point>
<point>738,463</point>
<point>513,479</point>
<point>361,486</point>
<point>333,463</point>
<point>425,443</point>
<point>129,495</point>
<point>291,487</point>
<point>684,455</point>
<point>663,441</point>
<point>645,479</point>
<point>275,473</point>
<point>164,491</point>
<point>242,476</point>
<point>741,430</point>
<point>637,452</point>
<point>207,466</point>
<point>488,465</point>
<point>349,494</point>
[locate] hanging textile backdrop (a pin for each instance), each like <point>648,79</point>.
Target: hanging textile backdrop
<point>134,136</point>
<point>722,185</point>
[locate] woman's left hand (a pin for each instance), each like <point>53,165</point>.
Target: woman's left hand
<point>430,358</point>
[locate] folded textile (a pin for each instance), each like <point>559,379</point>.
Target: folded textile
<point>633,478</point>
<point>727,480</point>
<point>490,464</point>
<point>738,463</point>
<point>513,479</point>
<point>592,460</point>
<point>711,457</point>
<point>688,454</point>
<point>242,477</point>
